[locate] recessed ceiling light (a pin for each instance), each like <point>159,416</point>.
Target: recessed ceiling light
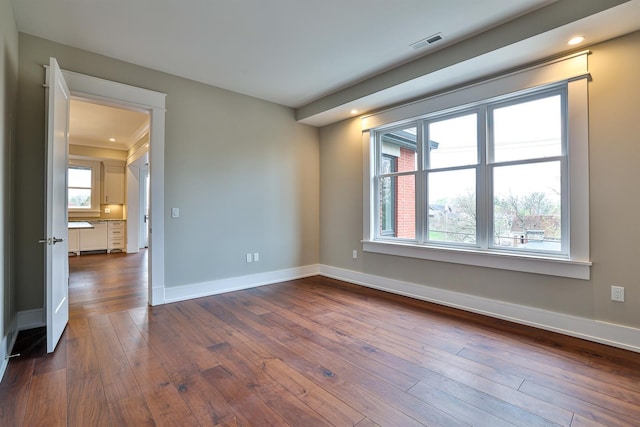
<point>354,111</point>
<point>112,139</point>
<point>576,40</point>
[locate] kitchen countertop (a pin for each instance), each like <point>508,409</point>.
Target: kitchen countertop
<point>75,225</point>
<point>94,219</point>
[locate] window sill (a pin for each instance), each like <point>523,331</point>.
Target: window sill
<point>514,262</point>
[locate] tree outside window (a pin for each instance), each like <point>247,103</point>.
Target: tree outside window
<point>79,187</point>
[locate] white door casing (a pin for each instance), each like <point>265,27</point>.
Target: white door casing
<point>56,240</point>
<point>122,95</point>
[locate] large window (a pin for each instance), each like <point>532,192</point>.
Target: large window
<point>485,182</point>
<point>488,177</point>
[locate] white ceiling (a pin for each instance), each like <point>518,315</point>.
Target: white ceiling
<point>286,51</point>
<point>94,125</point>
<point>311,54</point>
<point>437,72</point>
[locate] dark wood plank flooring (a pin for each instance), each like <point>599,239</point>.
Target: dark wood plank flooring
<point>309,352</point>
<point>102,283</point>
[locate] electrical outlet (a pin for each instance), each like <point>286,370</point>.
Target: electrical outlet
<point>355,254</point>
<point>249,257</point>
<point>256,257</point>
<point>107,210</point>
<point>617,293</point>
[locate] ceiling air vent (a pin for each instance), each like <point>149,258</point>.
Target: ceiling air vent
<point>426,42</point>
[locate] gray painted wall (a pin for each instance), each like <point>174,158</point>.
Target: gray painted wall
<point>8,91</point>
<point>243,172</point>
<point>615,235</point>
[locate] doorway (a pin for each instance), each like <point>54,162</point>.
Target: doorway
<point>121,95</point>
<point>107,142</point>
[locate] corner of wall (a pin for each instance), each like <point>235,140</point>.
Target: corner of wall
<point>8,99</point>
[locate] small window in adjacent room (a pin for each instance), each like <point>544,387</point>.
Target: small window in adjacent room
<point>83,187</point>
<point>80,187</point>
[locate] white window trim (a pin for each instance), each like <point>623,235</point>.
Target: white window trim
<point>95,187</point>
<point>574,70</point>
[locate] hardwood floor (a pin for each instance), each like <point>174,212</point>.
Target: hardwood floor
<point>309,352</point>
<point>102,283</point>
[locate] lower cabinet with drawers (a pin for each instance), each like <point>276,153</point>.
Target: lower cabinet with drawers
<point>115,236</point>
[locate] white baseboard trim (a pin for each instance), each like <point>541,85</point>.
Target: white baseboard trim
<point>214,287</point>
<point>611,334</point>
<point>6,347</point>
<point>29,319</point>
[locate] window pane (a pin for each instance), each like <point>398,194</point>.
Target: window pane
<point>526,206</point>
<point>452,206</point>
<point>388,197</point>
<point>453,142</point>
<point>79,198</point>
<point>388,164</point>
<point>528,130</point>
<point>398,207</point>
<point>80,177</point>
<point>401,145</point>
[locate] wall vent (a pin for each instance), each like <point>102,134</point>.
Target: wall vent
<point>426,41</point>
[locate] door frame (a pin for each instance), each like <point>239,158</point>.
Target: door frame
<point>122,95</point>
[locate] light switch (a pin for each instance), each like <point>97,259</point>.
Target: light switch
<point>175,212</point>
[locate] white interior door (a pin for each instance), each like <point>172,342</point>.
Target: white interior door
<point>57,260</point>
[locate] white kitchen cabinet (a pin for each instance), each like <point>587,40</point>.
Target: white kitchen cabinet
<point>112,185</point>
<point>74,241</point>
<point>94,239</point>
<point>116,235</point>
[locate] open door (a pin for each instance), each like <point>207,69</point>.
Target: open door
<point>56,226</point>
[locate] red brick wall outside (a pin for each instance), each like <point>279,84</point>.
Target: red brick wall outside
<point>406,196</point>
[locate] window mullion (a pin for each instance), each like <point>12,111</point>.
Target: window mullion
<point>421,188</point>
<point>376,183</point>
<point>483,182</point>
